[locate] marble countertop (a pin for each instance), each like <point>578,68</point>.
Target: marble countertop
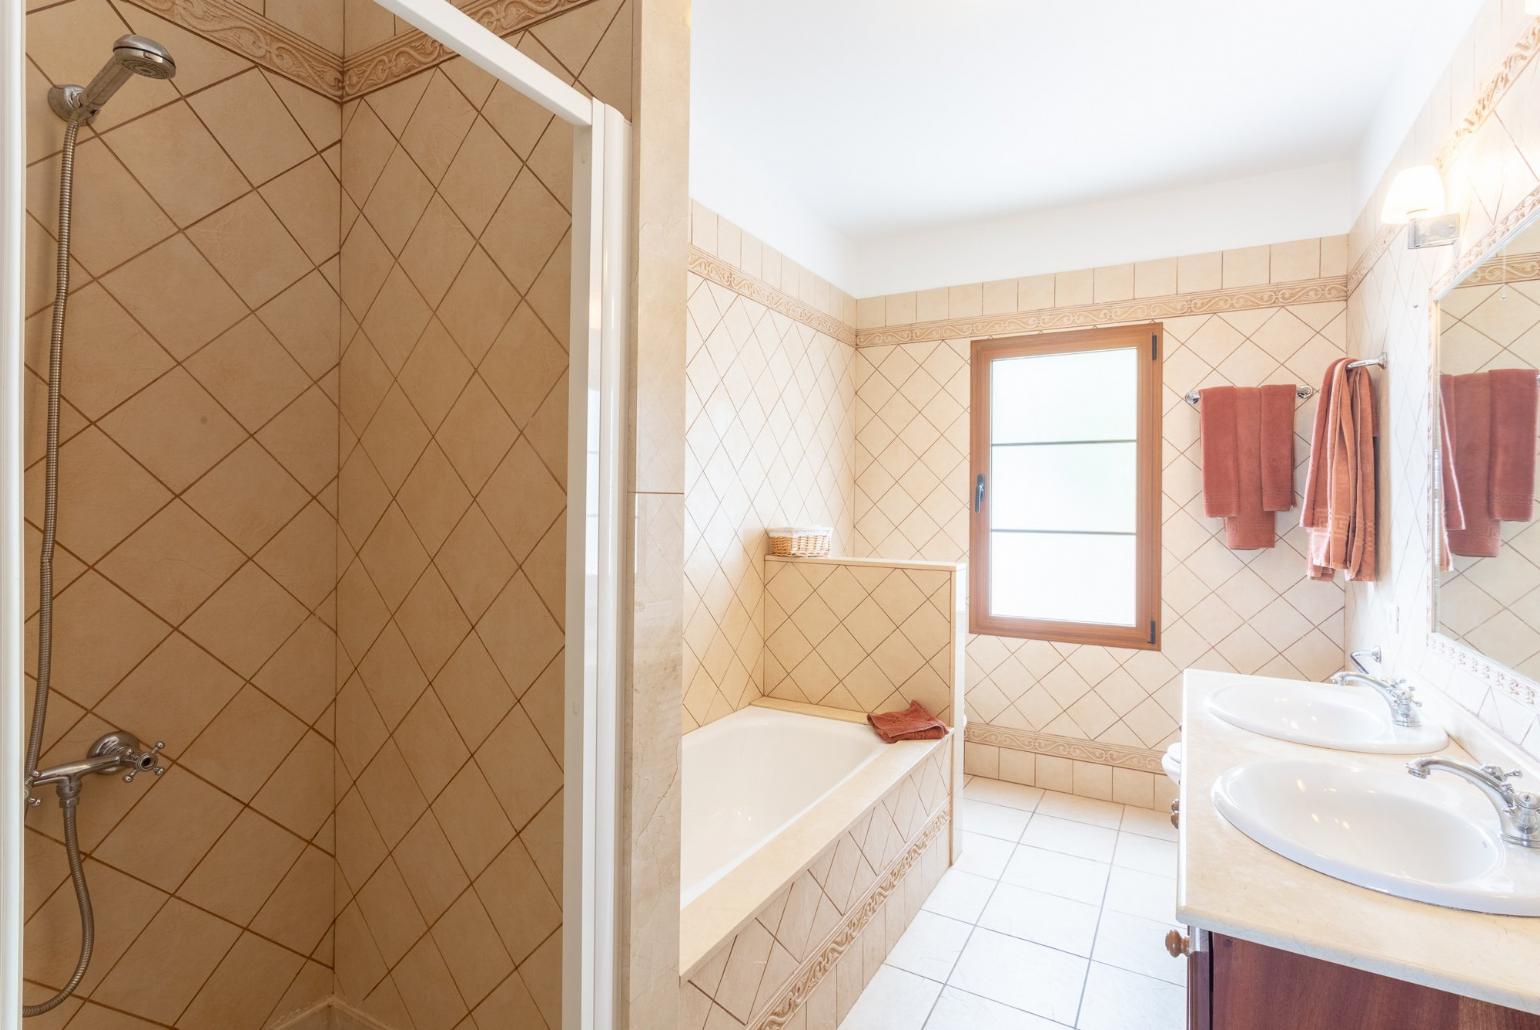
<point>1232,885</point>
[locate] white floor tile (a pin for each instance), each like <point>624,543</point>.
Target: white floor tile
<point>1078,879</point>
<point>930,946</point>
<point>1042,918</point>
<point>1141,894</point>
<point>1069,837</point>
<point>1119,1000</point>
<point>1145,854</point>
<point>1148,823</point>
<point>994,820</point>
<point>893,1000</point>
<point>1139,946</point>
<point>960,895</point>
<point>984,856</point>
<point>1082,810</point>
<point>998,792</point>
<point>958,1010</point>
<point>1021,974</point>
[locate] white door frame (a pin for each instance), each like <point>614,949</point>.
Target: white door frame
<point>13,174</point>
<point>597,414</point>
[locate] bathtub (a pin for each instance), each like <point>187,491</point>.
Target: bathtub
<point>750,775</point>
<point>798,822</point>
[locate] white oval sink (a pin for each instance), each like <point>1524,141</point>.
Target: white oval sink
<point>1343,718</point>
<point>1369,828</point>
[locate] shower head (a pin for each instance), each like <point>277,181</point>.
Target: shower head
<point>131,55</point>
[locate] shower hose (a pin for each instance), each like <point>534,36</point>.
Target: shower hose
<point>69,791</point>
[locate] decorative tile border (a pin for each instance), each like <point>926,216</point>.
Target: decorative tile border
<point>819,966</point>
<point>1492,673</point>
<point>1306,291</point>
<point>1520,268</point>
<point>1116,755</point>
<point>1522,52</point>
<point>262,40</point>
<point>708,266</point>
<point>411,52</point>
<point>1479,250</point>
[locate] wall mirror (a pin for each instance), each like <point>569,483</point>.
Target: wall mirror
<point>1487,536</point>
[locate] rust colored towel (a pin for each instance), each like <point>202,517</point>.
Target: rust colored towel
<point>1511,484</point>
<point>1454,504</point>
<point>1470,423</point>
<point>1339,509</point>
<point>1277,425</point>
<point>913,723</point>
<point>1248,460</point>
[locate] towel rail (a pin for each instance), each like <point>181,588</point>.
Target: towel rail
<point>1305,392</point>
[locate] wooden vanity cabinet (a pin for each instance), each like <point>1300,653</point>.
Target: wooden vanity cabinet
<point>1237,985</point>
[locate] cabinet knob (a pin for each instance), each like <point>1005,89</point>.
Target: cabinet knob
<point>1176,813</point>
<point>1176,944</point>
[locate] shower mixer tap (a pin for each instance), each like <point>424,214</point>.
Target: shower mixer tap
<point>115,752</point>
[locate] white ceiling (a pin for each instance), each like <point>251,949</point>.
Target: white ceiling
<point>853,130</point>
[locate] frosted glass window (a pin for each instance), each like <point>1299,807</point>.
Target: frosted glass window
<point>1066,457</point>
<point>1083,395</point>
<point>1063,577</point>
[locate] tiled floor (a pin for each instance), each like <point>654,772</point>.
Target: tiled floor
<point>1054,917</point>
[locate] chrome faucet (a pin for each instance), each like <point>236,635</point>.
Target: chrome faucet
<point>1518,811</point>
<point>1398,694</point>
<point>118,751</point>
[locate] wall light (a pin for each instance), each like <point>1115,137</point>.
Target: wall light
<point>1416,198</point>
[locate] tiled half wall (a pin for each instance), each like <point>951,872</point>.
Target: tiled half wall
<point>805,956</point>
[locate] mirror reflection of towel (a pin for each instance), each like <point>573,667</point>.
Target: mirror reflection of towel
<point>1490,453</point>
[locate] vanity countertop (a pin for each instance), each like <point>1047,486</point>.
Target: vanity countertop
<point>1230,884</point>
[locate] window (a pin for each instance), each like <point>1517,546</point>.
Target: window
<point>1065,537</point>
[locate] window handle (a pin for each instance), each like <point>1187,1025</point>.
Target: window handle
<point>978,494</point>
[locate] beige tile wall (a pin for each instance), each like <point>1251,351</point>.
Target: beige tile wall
<point>862,636</point>
<point>770,439</point>
<point>197,534</point>
<point>455,288</point>
<point>1248,611</point>
<point>1478,123</point>
<point>805,956</point>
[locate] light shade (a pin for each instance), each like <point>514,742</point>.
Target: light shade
<point>1417,192</point>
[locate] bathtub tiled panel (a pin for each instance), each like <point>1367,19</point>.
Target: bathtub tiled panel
<point>860,637</point>
<point>769,441</point>
<point>1248,611</point>
<point>195,564</point>
<point>1479,122</point>
<point>791,953</point>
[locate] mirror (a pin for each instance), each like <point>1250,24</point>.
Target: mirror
<point>1488,539</point>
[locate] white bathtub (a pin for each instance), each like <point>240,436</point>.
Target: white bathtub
<point>749,775</point>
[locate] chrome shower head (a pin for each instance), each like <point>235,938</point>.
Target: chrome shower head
<point>131,55</point>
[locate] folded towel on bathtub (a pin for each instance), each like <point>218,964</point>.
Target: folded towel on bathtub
<point>913,723</point>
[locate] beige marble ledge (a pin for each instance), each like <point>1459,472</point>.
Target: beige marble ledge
<point>728,905</point>
<point>1227,883</point>
<point>872,563</point>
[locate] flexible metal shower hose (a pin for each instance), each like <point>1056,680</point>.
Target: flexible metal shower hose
<point>45,578</point>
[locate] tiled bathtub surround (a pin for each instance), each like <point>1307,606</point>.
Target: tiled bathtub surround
<point>865,636</point>
<point>770,441</point>
<point>1479,123</point>
<point>195,569</point>
<point>1077,717</point>
<point>804,956</point>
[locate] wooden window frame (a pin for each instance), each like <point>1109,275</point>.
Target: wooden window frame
<point>1145,632</point>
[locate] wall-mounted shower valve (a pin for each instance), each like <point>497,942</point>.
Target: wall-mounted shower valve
<point>118,751</point>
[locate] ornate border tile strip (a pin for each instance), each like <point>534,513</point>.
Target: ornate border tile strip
<point>1119,755</point>
<point>1494,675</point>
<point>1480,250</point>
<point>708,266</point>
<point>239,28</point>
<point>1522,52</point>
<point>1305,291</point>
<point>822,963</point>
<point>411,52</point>
<point>1520,268</point>
<point>1376,249</point>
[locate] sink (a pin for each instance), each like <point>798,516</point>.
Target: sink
<point>1383,830</point>
<point>1343,718</point>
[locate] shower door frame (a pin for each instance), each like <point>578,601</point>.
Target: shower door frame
<point>596,540</point>
<point>13,175</point>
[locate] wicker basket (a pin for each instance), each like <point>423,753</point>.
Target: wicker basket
<point>801,542</point>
